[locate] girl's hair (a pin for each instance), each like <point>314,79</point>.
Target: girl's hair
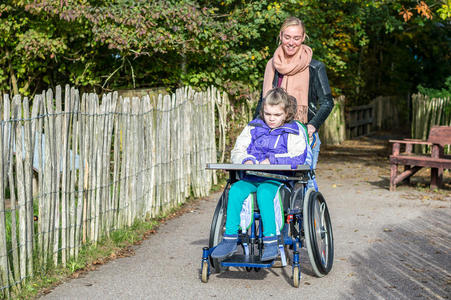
<point>278,96</point>
<point>291,21</point>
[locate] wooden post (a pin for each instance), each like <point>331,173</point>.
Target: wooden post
<point>4,268</point>
<point>115,200</point>
<point>73,225</point>
<point>394,167</point>
<point>28,180</point>
<point>48,174</point>
<point>98,121</point>
<point>57,174</point>
<point>20,179</point>
<point>436,173</point>
<point>40,142</point>
<point>80,230</point>
<point>8,138</point>
<point>65,164</point>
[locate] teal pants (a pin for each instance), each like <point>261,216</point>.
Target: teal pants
<point>240,190</point>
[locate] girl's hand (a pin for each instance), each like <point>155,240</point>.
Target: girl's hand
<point>248,162</point>
<point>265,162</point>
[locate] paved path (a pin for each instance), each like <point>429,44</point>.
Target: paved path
<point>387,246</point>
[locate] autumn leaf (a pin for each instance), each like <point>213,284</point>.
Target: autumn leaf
<point>423,9</point>
<point>406,14</point>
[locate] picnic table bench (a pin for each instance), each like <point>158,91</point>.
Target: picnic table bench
<point>439,136</point>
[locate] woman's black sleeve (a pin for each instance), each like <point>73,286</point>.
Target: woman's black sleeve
<point>324,95</point>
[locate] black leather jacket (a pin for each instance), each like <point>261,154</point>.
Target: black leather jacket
<point>320,102</point>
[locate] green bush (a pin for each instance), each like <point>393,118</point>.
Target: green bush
<point>437,93</point>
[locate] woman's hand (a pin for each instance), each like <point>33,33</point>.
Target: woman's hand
<point>310,130</point>
<point>248,162</point>
<point>265,162</point>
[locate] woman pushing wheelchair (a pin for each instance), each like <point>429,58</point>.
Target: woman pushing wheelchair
<point>304,78</point>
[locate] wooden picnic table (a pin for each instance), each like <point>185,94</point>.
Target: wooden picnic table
<point>439,136</point>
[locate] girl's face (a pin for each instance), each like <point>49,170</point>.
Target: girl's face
<point>292,38</point>
<point>274,115</point>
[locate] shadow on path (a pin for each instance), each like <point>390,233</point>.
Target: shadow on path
<point>408,261</point>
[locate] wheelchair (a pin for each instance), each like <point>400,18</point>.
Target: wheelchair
<point>306,224</point>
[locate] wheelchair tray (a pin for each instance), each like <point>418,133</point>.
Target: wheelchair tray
<point>243,167</point>
<point>300,173</point>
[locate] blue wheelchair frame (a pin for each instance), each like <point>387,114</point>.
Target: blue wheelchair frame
<point>293,214</point>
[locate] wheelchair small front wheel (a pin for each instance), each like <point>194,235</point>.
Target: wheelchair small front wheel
<point>204,272</point>
<point>296,276</point>
<point>318,233</point>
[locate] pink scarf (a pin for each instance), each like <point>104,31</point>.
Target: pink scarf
<point>296,77</point>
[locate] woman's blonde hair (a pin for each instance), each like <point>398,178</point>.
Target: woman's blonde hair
<point>278,96</point>
<point>291,21</point>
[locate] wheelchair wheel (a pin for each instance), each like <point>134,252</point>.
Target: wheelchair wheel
<point>296,276</point>
<point>318,233</point>
<point>217,229</point>
<point>204,272</point>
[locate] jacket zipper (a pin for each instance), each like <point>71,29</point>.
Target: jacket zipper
<point>277,141</point>
<point>312,111</point>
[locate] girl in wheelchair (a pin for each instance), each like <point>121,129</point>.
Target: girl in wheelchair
<point>272,138</point>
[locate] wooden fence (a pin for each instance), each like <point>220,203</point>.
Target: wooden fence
<point>426,113</point>
<point>359,120</point>
<point>381,113</point>
<point>98,165</point>
<point>390,112</point>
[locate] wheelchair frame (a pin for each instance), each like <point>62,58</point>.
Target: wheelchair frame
<point>307,223</point>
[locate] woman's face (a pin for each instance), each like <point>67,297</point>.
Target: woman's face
<point>292,38</point>
<point>274,115</point>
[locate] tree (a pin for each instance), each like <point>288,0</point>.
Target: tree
<point>369,47</point>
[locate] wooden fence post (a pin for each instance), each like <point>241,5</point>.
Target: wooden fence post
<point>4,267</point>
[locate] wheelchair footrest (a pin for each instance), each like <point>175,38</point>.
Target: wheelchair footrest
<point>251,261</point>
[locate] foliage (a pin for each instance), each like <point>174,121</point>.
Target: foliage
<point>402,54</point>
<point>369,47</point>
<point>437,93</point>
